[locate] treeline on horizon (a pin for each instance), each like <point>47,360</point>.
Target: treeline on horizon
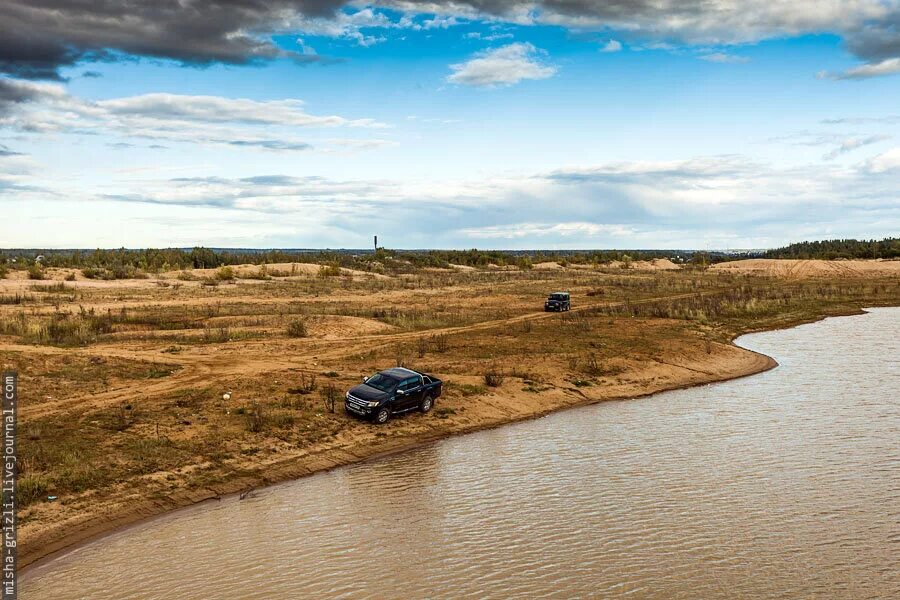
<point>838,249</point>
<point>154,260</point>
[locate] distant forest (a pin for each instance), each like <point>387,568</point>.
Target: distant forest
<point>169,259</point>
<point>836,249</point>
<point>124,262</point>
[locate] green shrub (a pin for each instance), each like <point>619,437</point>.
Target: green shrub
<point>225,274</point>
<point>114,272</point>
<point>36,271</point>
<point>297,329</point>
<point>330,270</point>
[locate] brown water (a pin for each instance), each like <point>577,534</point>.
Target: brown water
<point>785,484</point>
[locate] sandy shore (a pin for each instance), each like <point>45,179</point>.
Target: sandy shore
<point>722,363</point>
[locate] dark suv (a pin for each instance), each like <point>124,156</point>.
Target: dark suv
<point>558,301</point>
<point>393,391</point>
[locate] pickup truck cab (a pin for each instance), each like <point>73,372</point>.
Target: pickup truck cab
<point>558,301</point>
<point>392,391</point>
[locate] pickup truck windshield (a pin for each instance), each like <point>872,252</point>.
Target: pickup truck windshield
<point>383,383</point>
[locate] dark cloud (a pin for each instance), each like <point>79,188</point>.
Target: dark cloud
<point>92,74</point>
<point>14,92</point>
<point>38,37</point>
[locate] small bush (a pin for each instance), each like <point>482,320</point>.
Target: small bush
<point>329,395</point>
<point>297,329</point>
<point>225,274</point>
<point>70,277</point>
<point>592,365</point>
<point>493,378</point>
<point>282,420</point>
<point>256,420</point>
<point>441,343</point>
<point>36,272</point>
<point>331,270</point>
<point>306,385</point>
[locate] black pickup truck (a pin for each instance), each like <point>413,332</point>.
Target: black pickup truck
<point>393,391</point>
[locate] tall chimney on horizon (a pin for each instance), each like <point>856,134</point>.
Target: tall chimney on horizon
<point>376,243</point>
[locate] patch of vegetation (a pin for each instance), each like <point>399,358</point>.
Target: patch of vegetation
<point>443,412</point>
<point>466,389</point>
<point>16,299</point>
<point>493,378</point>
<point>54,288</point>
<point>159,371</point>
<point>35,271</point>
<point>306,385</point>
<point>297,329</point>
<point>114,272</point>
<point>330,270</point>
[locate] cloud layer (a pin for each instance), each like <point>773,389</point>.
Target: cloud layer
<point>37,38</point>
<point>46,108</point>
<point>717,200</point>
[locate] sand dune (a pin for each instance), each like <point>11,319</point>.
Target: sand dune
<point>802,269</point>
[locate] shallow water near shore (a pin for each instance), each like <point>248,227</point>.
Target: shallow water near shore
<point>784,484</point>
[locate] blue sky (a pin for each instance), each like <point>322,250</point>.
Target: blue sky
<point>462,128</point>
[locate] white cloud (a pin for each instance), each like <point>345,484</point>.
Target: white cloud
<point>612,46</point>
<point>236,122</point>
<point>888,66</point>
<point>544,230</point>
<point>853,143</point>
<point>723,57</point>
<point>490,37</point>
<point>887,162</point>
<point>502,66</point>
<point>350,25</point>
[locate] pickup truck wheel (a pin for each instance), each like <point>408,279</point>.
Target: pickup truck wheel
<point>382,416</point>
<point>427,404</point>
